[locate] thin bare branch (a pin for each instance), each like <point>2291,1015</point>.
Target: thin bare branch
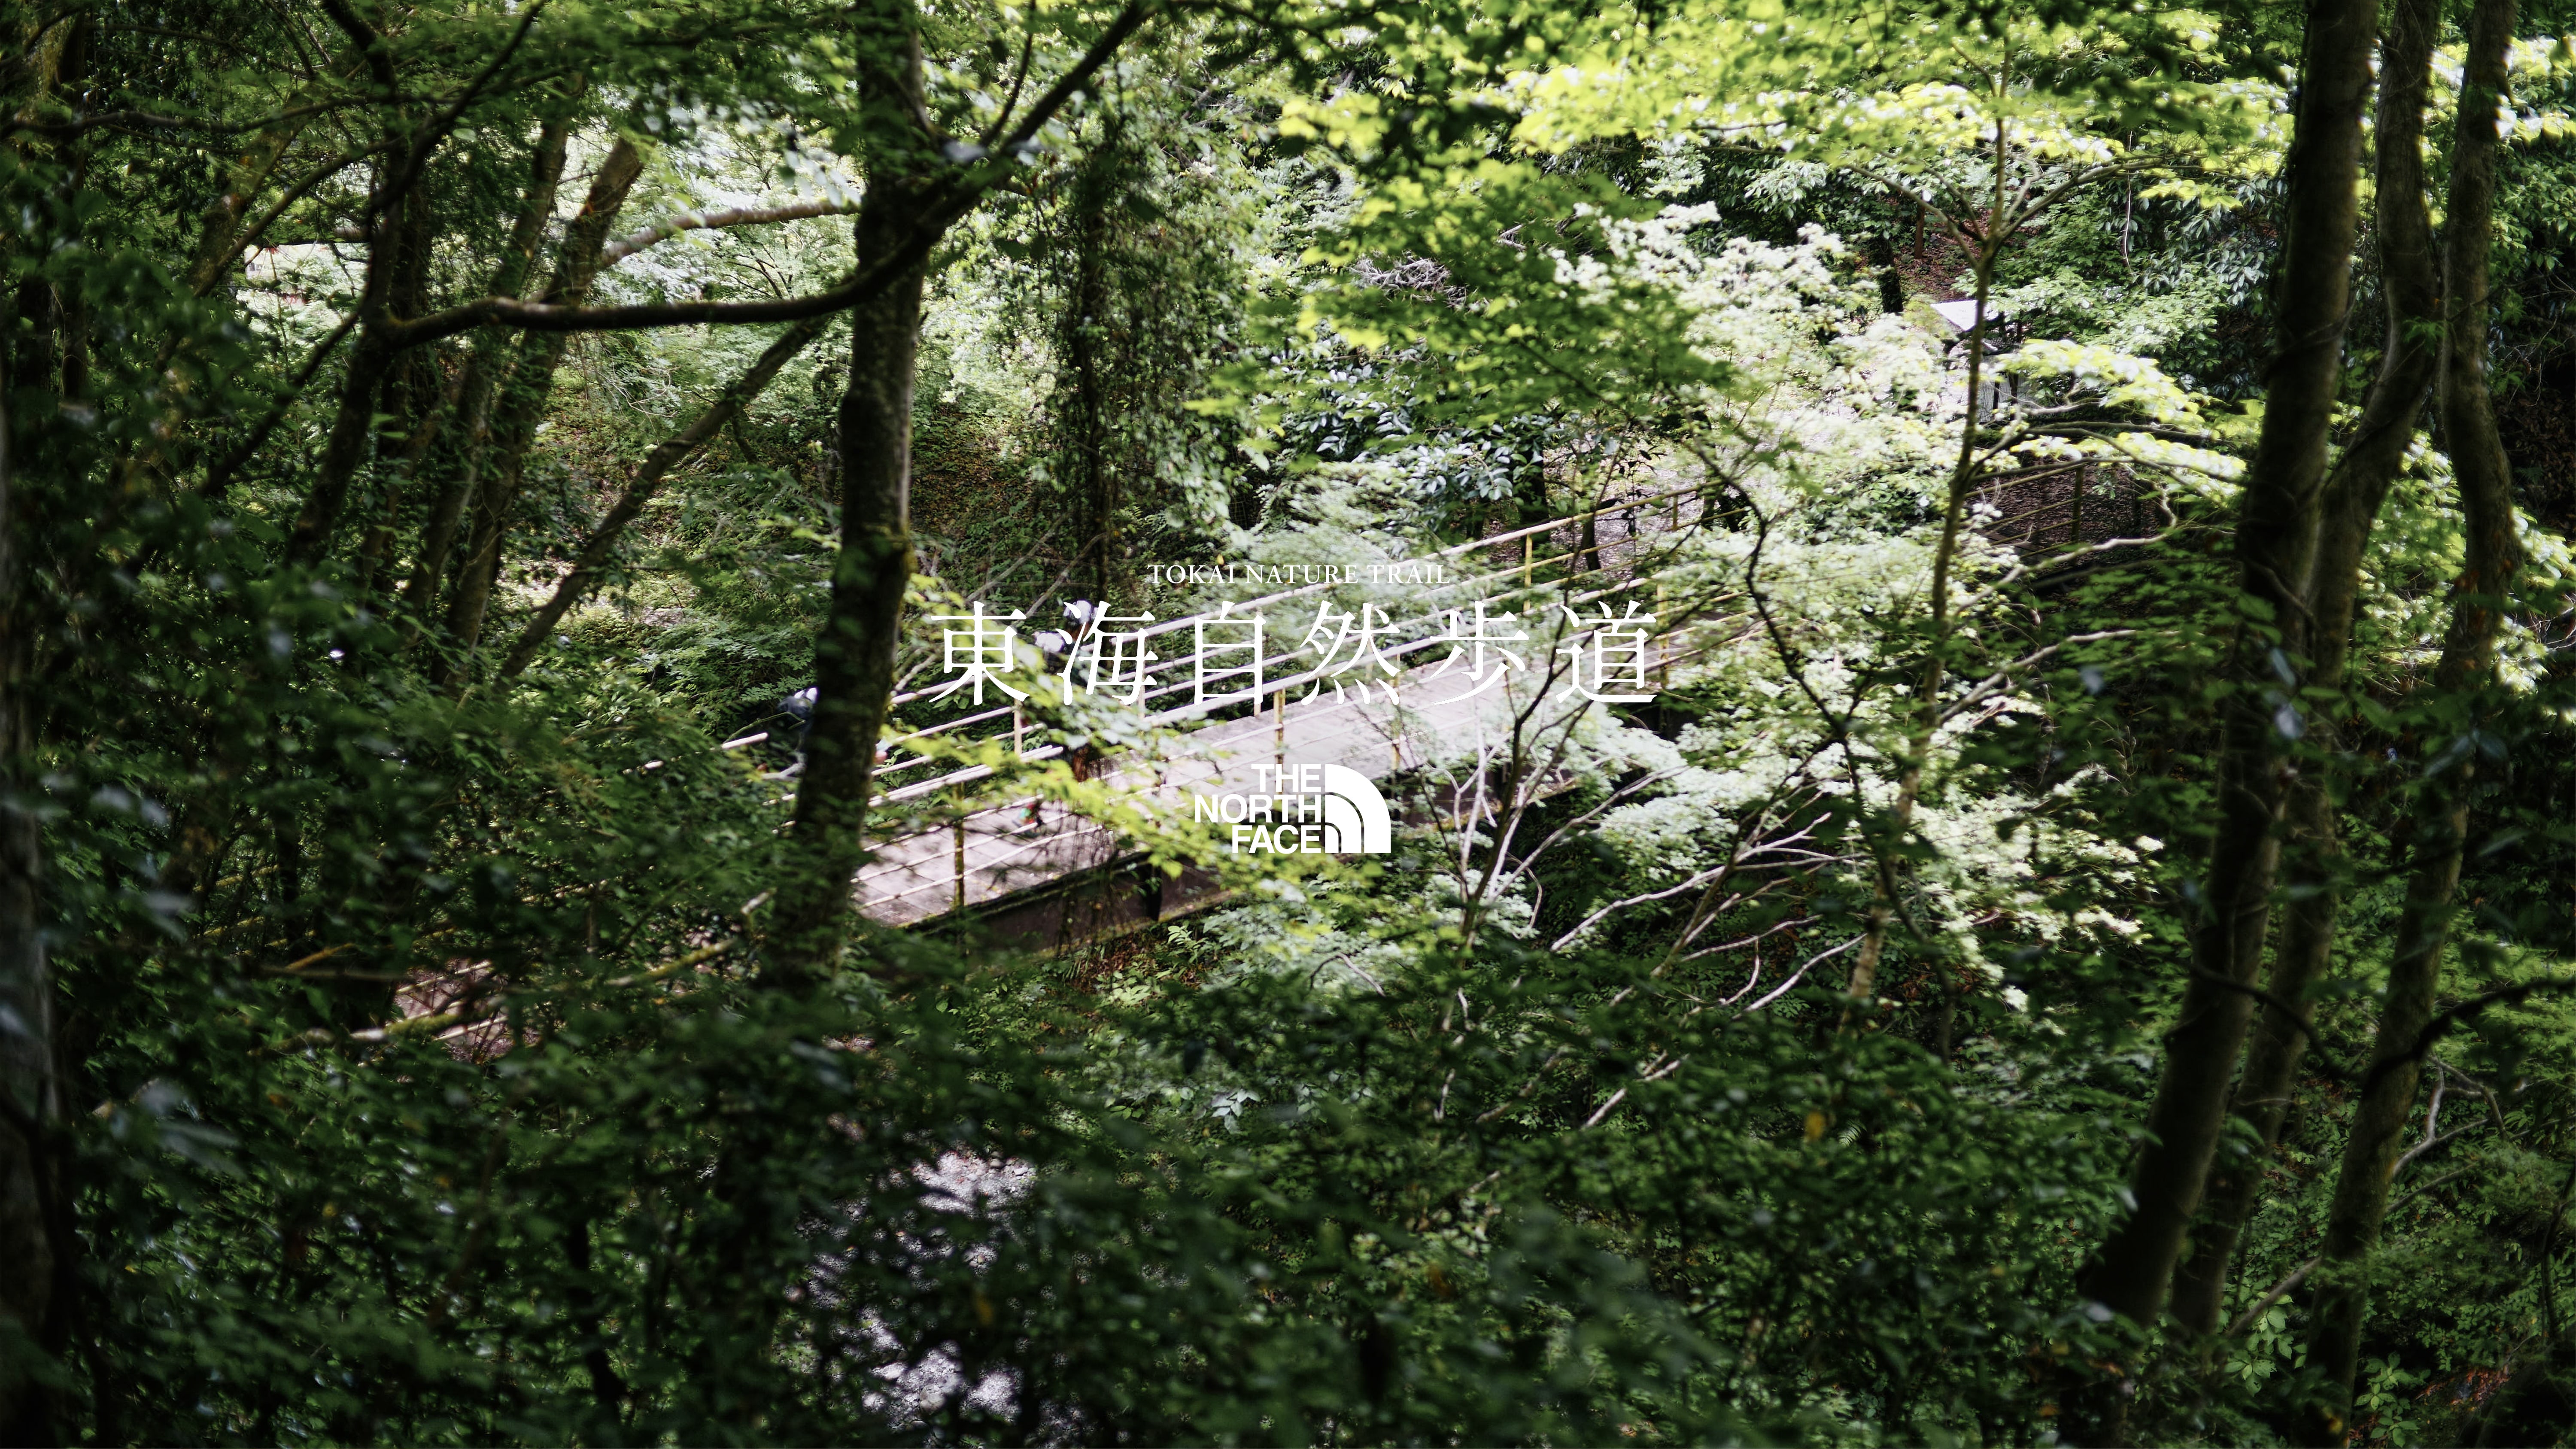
<point>662,231</point>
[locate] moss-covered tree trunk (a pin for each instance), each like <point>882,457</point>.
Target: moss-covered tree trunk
<point>448,468</point>
<point>35,1250</point>
<point>522,405</point>
<point>2276,531</point>
<point>854,651</point>
<point>28,1179</point>
<point>2466,669</point>
<point>2312,850</point>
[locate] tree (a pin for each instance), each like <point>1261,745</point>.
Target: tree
<point>2466,670</point>
<point>2353,495</point>
<point>2275,544</point>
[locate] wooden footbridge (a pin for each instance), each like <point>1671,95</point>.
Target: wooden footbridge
<point>1453,682</point>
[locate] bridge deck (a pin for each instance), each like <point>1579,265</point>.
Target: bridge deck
<point>1014,846</point>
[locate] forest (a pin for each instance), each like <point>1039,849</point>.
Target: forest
<point>1287,721</point>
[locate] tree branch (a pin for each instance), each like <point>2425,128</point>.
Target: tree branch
<point>2444,1020</point>
<point>603,540</point>
<point>2251,1316</point>
<point>220,477</point>
<point>1019,78</point>
<point>146,121</point>
<point>662,231</point>
<point>333,167</point>
<point>937,215</point>
<point>371,44</point>
<point>429,139</point>
<point>2002,678</point>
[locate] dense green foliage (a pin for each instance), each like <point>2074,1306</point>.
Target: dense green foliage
<point>402,1045</point>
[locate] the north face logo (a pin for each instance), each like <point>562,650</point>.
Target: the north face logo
<point>1302,809</point>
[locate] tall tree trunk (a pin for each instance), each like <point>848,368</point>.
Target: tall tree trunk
<point>2465,672</point>
<point>31,1283</point>
<point>32,1253</point>
<point>854,651</point>
<point>346,447</point>
<point>657,465</point>
<point>411,391</point>
<point>2276,533</point>
<point>36,1246</point>
<point>2313,853</point>
<point>372,357</point>
<point>522,404</point>
<point>468,430</point>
